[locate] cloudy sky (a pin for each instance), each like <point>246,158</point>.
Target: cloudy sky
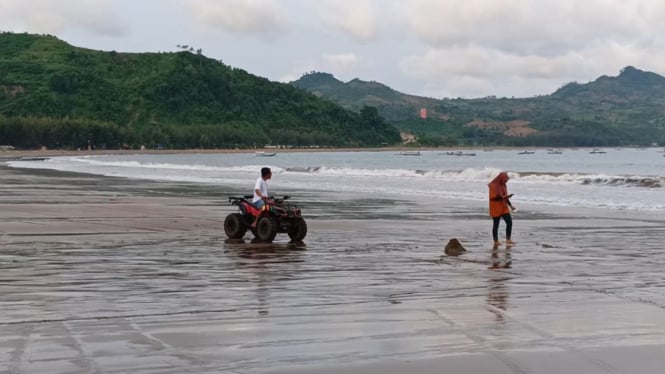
<point>435,48</point>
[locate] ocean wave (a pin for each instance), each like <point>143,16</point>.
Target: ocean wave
<point>451,175</point>
<point>486,174</point>
<point>636,181</point>
<point>572,189</point>
<point>70,164</point>
<point>475,175</point>
<point>594,179</point>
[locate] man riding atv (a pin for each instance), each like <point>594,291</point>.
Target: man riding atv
<point>264,215</point>
<point>261,191</point>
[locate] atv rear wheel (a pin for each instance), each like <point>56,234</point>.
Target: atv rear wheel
<point>233,226</point>
<point>266,229</point>
<point>298,230</point>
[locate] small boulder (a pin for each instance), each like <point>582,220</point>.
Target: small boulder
<point>454,248</point>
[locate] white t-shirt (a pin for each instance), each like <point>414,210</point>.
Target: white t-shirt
<point>262,186</point>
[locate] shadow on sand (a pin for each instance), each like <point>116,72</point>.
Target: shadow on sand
<point>268,263</point>
<point>260,246</point>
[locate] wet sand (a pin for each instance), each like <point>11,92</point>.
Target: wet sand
<point>108,275</point>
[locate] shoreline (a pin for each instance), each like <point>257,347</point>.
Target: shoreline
<point>10,154</point>
<point>55,153</point>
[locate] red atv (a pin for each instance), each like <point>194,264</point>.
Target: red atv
<point>276,216</point>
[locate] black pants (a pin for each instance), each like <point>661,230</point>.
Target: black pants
<point>509,226</point>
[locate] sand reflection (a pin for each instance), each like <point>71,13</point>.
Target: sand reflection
<point>497,292</point>
<point>265,262</point>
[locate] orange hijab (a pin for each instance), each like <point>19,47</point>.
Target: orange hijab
<point>498,184</point>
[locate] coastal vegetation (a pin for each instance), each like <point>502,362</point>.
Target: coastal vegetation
<point>56,95</point>
<point>628,109</point>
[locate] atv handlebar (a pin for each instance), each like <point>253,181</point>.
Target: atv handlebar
<point>247,197</point>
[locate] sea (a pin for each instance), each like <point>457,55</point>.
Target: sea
<point>629,179</point>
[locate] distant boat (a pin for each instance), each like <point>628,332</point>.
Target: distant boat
<point>410,153</point>
<point>554,152</point>
<point>597,151</point>
<point>459,153</point>
<point>526,153</point>
<point>264,154</point>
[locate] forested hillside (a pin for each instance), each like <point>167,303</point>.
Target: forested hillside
<point>59,96</point>
<point>628,109</point>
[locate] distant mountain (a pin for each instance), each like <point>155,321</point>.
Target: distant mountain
<point>57,95</point>
<point>631,85</point>
<point>355,94</point>
<point>628,109</point>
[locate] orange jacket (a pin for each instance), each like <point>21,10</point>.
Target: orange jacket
<point>498,191</point>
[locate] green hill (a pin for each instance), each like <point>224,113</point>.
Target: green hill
<point>56,95</point>
<point>357,93</point>
<point>628,109</point>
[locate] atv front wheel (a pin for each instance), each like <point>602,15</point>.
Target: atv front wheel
<point>266,229</point>
<point>298,230</point>
<point>233,226</point>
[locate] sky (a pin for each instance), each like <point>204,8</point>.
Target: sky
<point>432,48</point>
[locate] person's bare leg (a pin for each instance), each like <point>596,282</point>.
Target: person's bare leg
<point>495,230</point>
<point>256,219</point>
<point>509,228</point>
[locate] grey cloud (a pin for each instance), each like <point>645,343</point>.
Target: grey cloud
<point>261,18</point>
<point>525,48</point>
<point>521,75</point>
<point>340,61</point>
<point>43,16</point>
<point>356,19</point>
<point>528,27</point>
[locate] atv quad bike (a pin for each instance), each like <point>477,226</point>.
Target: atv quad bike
<point>277,215</point>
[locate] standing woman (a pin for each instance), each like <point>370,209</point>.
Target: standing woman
<point>500,207</point>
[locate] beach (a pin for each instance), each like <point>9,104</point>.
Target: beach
<point>114,275</point>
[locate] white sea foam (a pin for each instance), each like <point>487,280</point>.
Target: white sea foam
<point>87,163</point>
<point>485,174</point>
<point>588,183</point>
